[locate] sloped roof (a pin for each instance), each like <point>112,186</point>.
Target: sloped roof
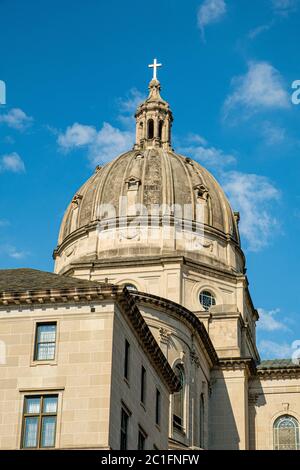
<point>24,279</point>
<point>277,364</point>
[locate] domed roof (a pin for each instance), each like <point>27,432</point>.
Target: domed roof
<point>151,177</point>
<point>160,177</point>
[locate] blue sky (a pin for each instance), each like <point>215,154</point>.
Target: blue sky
<point>74,71</point>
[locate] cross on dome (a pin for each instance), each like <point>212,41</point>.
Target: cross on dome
<point>155,65</point>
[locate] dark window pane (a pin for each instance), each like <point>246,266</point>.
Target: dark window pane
<point>207,300</point>
<point>126,360</point>
<point>141,441</point>
<point>157,407</point>
<point>178,400</point>
<point>124,430</point>
<point>143,385</point>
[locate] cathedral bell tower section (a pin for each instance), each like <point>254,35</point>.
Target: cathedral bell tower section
<point>153,118</point>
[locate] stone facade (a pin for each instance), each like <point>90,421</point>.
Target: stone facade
<point>87,372</point>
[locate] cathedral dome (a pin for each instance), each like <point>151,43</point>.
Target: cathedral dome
<point>155,180</point>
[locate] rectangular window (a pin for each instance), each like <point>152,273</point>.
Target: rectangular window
<point>126,360</point>
<point>39,421</point>
<point>45,341</point>
<point>124,429</point>
<point>143,385</point>
<point>157,407</point>
<point>141,439</point>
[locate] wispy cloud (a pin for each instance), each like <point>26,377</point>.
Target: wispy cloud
<point>13,252</point>
<point>127,107</point>
<point>255,32</point>
<point>284,7</point>
<point>268,322</point>
<point>260,89</point>
<point>275,350</point>
<point>16,119</point>
<point>210,11</point>
<point>198,148</point>
<point>273,134</point>
<point>253,195</point>
<point>280,9</point>
<point>12,162</point>
<point>4,223</point>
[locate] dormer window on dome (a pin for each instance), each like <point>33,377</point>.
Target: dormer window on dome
<point>153,118</point>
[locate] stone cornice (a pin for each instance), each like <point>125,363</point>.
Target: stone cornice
<point>111,292</point>
<point>182,313</point>
<point>65,295</point>
<point>238,363</point>
<point>280,373</point>
<point>200,266</point>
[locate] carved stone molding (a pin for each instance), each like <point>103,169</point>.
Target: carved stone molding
<point>252,398</point>
<point>194,357</point>
<point>164,336</point>
<point>76,200</point>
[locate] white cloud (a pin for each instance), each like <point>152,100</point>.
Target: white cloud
<point>252,195</point>
<point>13,252</point>
<point>197,147</point>
<point>274,350</point>
<point>127,107</point>
<point>4,223</point>
<point>210,11</point>
<point>102,145</point>
<point>259,30</point>
<point>273,134</point>
<point>284,7</point>
<point>129,104</point>
<point>108,142</point>
<point>16,119</point>
<point>77,135</point>
<point>12,162</point>
<point>268,322</point>
<point>261,88</point>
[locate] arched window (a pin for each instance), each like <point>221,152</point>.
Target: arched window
<point>160,129</point>
<point>201,424</point>
<point>130,287</point>
<point>150,129</point>
<point>206,299</point>
<point>141,130</point>
<point>178,400</point>
<point>286,433</point>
